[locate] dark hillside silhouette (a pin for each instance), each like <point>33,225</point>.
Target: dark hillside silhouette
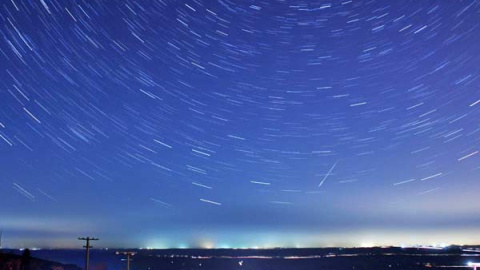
<point>26,262</point>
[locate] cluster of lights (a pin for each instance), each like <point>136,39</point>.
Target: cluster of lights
<point>474,265</point>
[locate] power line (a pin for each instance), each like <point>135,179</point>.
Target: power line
<point>87,248</point>
<point>129,256</point>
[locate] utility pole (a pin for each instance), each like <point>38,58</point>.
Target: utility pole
<point>129,256</point>
<point>87,247</point>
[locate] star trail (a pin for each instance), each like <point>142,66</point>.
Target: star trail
<point>239,123</point>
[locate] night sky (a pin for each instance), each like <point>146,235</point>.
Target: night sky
<point>223,123</point>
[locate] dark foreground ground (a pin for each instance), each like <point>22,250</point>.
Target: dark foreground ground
<point>10,261</point>
<point>274,259</point>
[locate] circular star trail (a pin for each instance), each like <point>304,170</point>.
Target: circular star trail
<point>238,123</point>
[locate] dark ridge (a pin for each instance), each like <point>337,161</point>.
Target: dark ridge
<point>10,261</point>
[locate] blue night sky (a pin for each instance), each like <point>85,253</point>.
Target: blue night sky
<point>227,123</point>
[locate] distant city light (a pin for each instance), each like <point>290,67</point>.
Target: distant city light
<point>474,265</point>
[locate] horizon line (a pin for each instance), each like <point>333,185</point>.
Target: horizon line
<point>247,248</point>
